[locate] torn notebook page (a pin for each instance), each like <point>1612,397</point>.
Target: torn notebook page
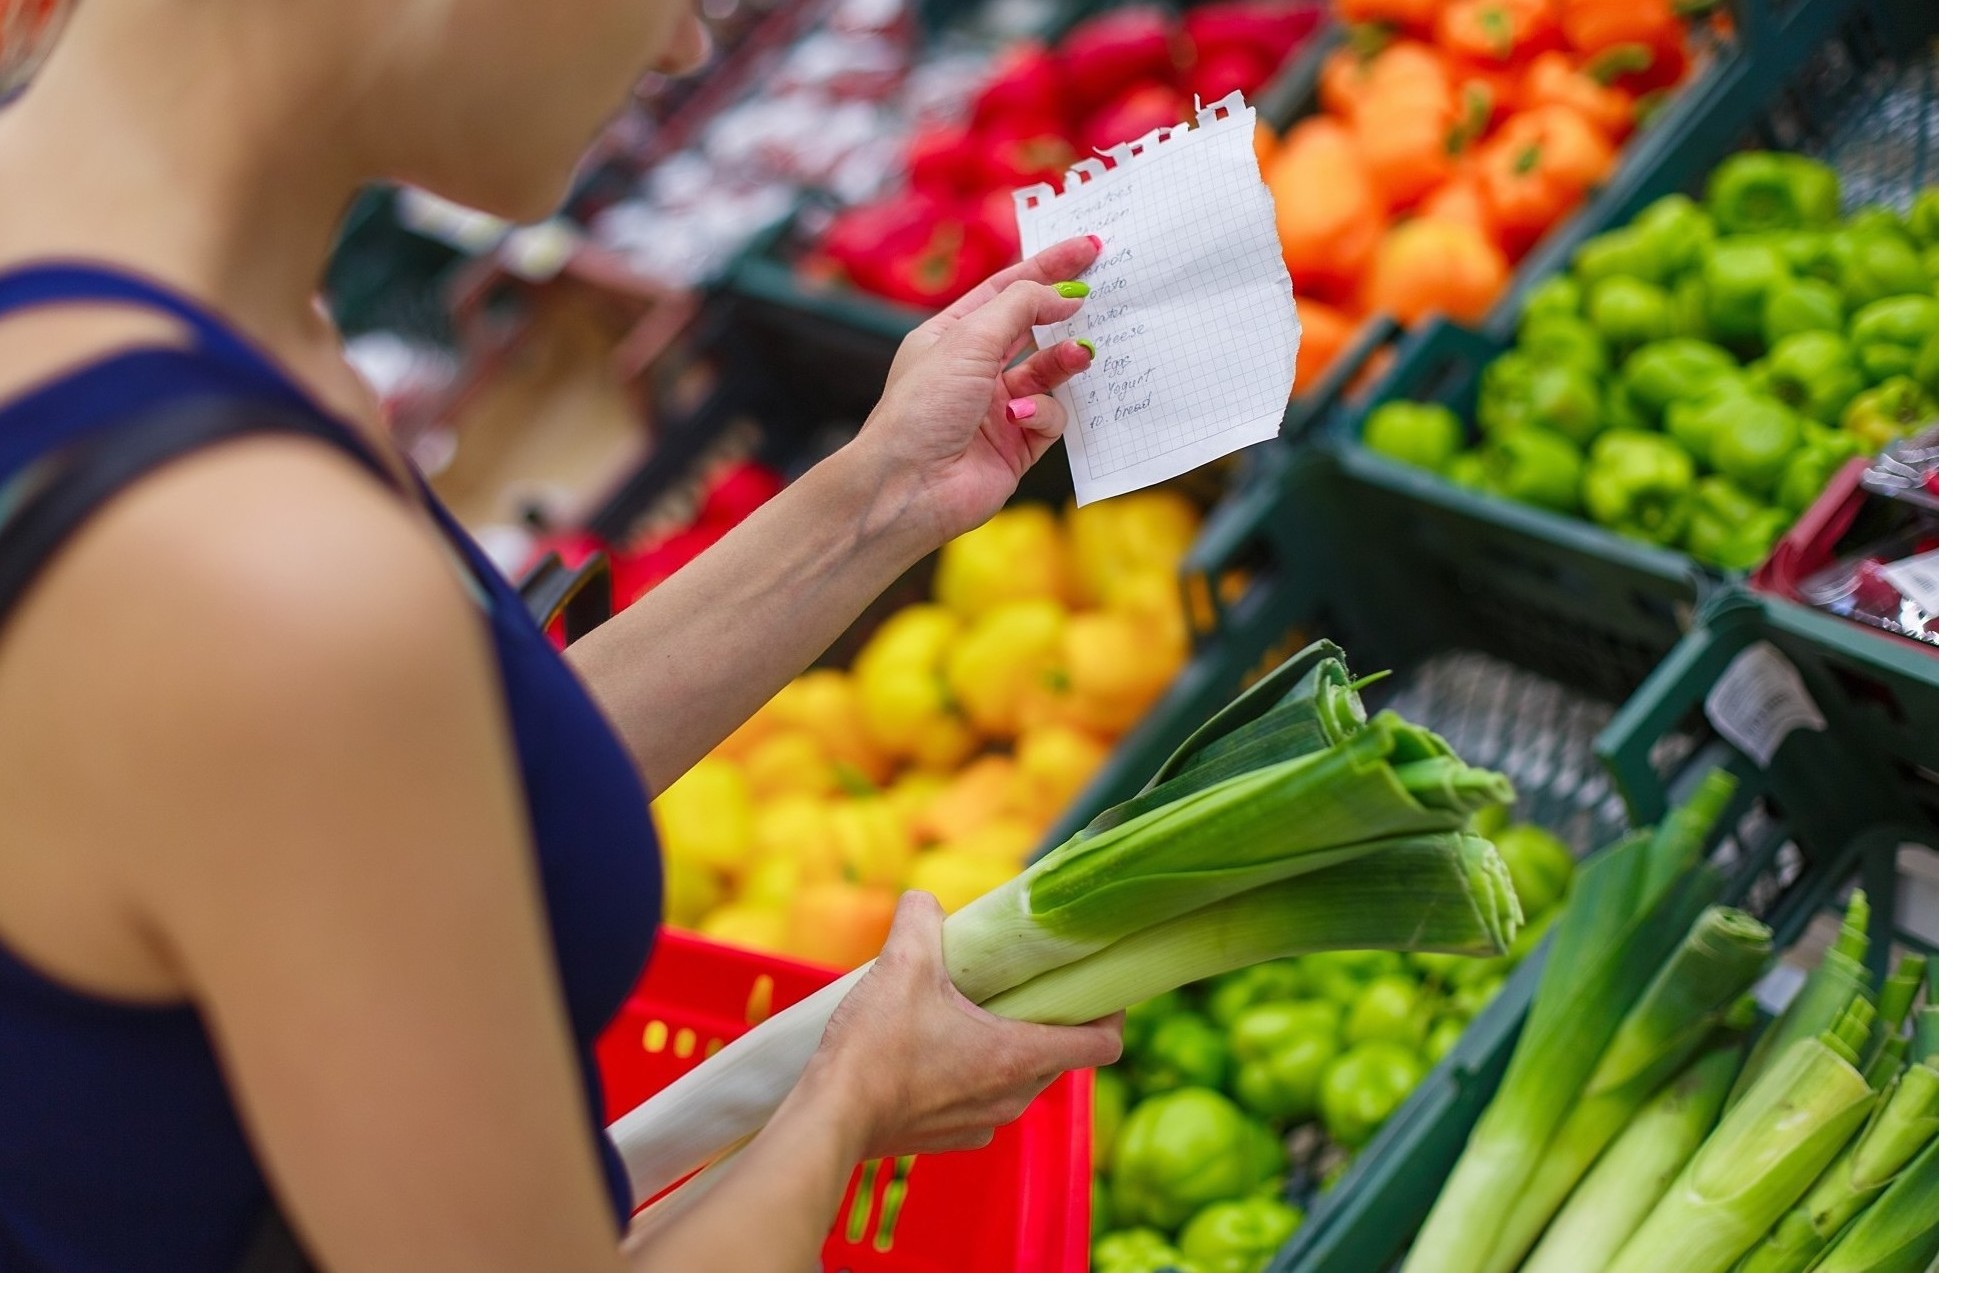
<point>1190,308</point>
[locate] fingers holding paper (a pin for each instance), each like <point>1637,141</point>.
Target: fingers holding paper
<point>1060,263</point>
<point>1046,369</point>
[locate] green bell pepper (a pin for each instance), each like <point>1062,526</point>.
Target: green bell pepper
<point>1894,408</point>
<point>1442,1039</point>
<point>1812,467</point>
<point>1184,1049</point>
<point>1924,220</point>
<point>1678,229</point>
<point>1139,1020</point>
<point>1557,297</point>
<point>1692,423</point>
<point>1392,1007</point>
<point>1503,389</point>
<point>1620,410</point>
<point>1666,372</point>
<point>1539,467</point>
<point>1279,1052</point>
<point>1466,471</point>
<point>1541,865</point>
<point>1183,1150</point>
<point>1136,1250</point>
<point>1690,301</point>
<point>1238,1236</point>
<point>1364,1087</point>
<point>1472,996</point>
<point>1750,192</point>
<point>1815,373</point>
<point>1109,1101</point>
<point>1738,279</point>
<point>1887,335</point>
<point>1624,252</point>
<point>1566,340</point>
<point>1422,434</point>
<point>1927,365</point>
<point>1563,399</point>
<point>1728,528</point>
<point>1873,264</point>
<point>1754,440</point>
<point>1339,975</point>
<point>1235,992</point>
<point>1806,305</point>
<point>1628,312</point>
<point>1099,1207</point>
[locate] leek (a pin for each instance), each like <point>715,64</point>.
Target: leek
<point>1634,1173</point>
<point>1716,963</point>
<point>1628,908</point>
<point>1840,977</point>
<point>1927,1022</point>
<point>1898,1233</point>
<point>1290,822</point>
<point>1906,1122</point>
<point>1762,1157</point>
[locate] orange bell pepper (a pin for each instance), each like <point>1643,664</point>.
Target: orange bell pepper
<point>1639,45</point>
<point>1431,266</point>
<point>1459,200</point>
<point>1405,142</point>
<point>1495,33</point>
<point>1324,335</point>
<point>1413,16</point>
<point>1538,167</point>
<point>1330,215</point>
<point>1353,72</point>
<point>839,923</point>
<point>1553,78</point>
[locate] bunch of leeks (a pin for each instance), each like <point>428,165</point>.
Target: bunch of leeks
<point>1291,822</point>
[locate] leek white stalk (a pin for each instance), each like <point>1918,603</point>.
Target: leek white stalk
<point>1635,1172</point>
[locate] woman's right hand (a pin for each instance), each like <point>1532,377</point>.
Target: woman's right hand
<point>916,1066</point>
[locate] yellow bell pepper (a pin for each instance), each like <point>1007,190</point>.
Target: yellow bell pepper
<point>957,877</point>
<point>872,841</point>
<point>772,880</point>
<point>911,794</point>
<point>791,761</point>
<point>915,639</point>
<point>1139,532</point>
<point>976,798</point>
<point>1053,765</point>
<point>687,892</point>
<point>825,703</point>
<point>707,817</point>
<point>799,825</point>
<point>755,927</point>
<point>993,668</point>
<point>1005,838</point>
<point>1018,555</point>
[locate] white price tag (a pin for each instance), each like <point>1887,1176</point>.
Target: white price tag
<point>1759,700</point>
<point>1917,579</point>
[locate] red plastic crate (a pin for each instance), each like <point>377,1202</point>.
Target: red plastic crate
<point>1019,1205</point>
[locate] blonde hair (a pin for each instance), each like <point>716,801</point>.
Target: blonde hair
<point>27,31</point>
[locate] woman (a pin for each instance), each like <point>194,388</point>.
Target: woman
<point>319,871</point>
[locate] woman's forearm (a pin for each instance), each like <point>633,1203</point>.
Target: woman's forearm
<point>692,659</point>
<point>771,1209</point>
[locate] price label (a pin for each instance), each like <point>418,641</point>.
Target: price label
<point>1759,700</point>
<point>1917,579</point>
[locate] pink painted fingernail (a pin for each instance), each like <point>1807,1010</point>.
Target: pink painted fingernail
<point>1096,241</point>
<point>1020,409</point>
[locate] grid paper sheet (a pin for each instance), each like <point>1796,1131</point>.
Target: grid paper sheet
<point>1190,308</point>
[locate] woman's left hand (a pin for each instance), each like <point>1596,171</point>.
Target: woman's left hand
<point>957,426</point>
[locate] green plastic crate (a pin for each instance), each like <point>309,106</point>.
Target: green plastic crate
<point>1816,818</point>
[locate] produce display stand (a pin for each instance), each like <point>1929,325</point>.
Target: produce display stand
<point>1826,77</point>
<point>1019,1205</point>
<point>1811,820</point>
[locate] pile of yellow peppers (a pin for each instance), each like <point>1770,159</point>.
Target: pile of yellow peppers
<point>964,727</point>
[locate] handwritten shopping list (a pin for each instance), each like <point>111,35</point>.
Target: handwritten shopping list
<point>1190,307</point>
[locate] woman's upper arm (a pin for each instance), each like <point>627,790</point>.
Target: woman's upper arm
<point>334,860</point>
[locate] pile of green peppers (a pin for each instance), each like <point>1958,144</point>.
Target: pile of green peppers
<point>1700,374</point>
<point>1191,1171</point>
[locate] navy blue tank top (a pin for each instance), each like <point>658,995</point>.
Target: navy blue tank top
<point>120,1147</point>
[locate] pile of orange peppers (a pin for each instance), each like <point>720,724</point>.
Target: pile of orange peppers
<point>1452,135</point>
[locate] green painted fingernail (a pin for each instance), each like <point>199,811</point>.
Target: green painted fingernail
<point>1072,290</point>
<point>1086,345</point>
